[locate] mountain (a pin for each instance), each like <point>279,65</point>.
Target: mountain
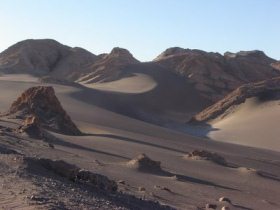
<point>176,85</point>
<point>109,66</point>
<point>215,75</point>
<point>276,65</point>
<point>45,57</point>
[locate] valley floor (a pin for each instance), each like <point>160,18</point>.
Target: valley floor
<point>251,179</point>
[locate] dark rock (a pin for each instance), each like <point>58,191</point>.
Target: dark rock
<point>31,127</point>
<point>40,103</point>
<point>206,155</point>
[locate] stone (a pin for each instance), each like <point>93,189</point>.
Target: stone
<point>143,163</point>
<point>206,155</point>
<point>141,189</point>
<point>224,199</point>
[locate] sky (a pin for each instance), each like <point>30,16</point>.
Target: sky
<point>145,27</point>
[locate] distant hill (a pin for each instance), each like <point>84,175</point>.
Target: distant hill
<point>176,85</point>
<point>215,75</point>
<point>48,57</point>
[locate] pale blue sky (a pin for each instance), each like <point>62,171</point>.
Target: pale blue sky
<point>145,27</point>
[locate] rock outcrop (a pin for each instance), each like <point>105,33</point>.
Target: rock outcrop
<point>143,163</point>
<point>39,105</point>
<point>206,155</point>
<point>268,88</point>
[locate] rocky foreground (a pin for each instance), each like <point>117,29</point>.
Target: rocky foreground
<point>30,182</point>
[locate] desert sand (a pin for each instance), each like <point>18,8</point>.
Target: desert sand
<point>250,178</point>
<point>253,123</point>
<point>137,83</point>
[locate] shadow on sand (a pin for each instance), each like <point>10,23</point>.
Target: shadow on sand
<point>186,179</point>
<point>52,139</point>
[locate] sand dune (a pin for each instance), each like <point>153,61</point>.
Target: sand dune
<point>114,139</point>
<point>138,83</point>
<point>253,123</point>
<point>249,116</point>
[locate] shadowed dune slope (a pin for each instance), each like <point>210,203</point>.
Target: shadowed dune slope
<point>248,116</point>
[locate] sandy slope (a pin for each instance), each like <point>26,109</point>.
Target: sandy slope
<point>114,139</point>
<point>253,123</point>
<point>138,83</point>
<point>18,78</point>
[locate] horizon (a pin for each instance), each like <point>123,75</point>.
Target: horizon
<point>134,54</point>
<point>143,27</point>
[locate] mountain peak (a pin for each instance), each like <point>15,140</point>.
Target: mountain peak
<point>177,51</point>
<point>122,54</point>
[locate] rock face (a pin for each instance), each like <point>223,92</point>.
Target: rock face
<point>265,89</point>
<point>215,75</point>
<point>39,105</point>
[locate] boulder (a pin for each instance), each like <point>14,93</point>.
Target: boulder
<point>143,163</point>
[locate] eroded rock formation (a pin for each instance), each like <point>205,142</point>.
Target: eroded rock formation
<point>39,106</point>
